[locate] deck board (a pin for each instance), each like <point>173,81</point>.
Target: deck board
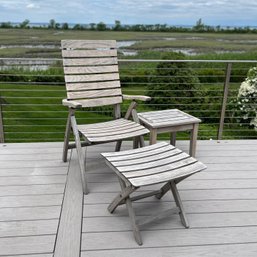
<point>32,183</point>
<point>220,202</point>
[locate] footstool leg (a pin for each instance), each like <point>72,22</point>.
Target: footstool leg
<point>178,201</point>
<point>164,189</point>
<point>173,138</point>
<point>132,215</point>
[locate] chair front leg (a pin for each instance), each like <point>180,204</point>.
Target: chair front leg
<point>81,157</point>
<point>67,135</point>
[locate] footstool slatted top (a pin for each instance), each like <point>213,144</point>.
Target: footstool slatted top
<point>153,164</point>
<point>157,119</point>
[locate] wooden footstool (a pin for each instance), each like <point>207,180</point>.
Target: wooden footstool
<point>154,164</point>
<point>172,120</point>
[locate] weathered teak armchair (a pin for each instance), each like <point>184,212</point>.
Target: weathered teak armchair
<point>92,79</point>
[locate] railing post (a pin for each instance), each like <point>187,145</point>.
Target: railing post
<point>224,101</point>
<point>1,124</point>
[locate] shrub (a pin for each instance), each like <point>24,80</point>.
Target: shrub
<point>247,99</point>
<point>173,83</point>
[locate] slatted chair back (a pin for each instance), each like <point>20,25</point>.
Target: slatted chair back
<point>91,72</point>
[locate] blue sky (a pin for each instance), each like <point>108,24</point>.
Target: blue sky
<point>173,12</point>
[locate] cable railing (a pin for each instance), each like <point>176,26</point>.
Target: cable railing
<point>32,89</point>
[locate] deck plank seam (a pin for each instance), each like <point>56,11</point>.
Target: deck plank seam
<point>65,187</point>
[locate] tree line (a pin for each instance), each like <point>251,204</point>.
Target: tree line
<point>117,26</point>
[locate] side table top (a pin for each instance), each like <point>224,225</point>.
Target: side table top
<point>171,117</point>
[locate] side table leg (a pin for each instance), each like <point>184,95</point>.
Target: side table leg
<point>173,138</point>
<point>193,140</point>
<point>153,136</point>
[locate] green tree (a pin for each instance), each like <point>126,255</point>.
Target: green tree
<point>6,25</point>
<point>92,26</point>
<point>65,26</point>
<point>52,24</point>
<point>117,25</point>
<point>24,24</point>
<point>101,26</point>
<point>174,84</point>
<point>199,26</point>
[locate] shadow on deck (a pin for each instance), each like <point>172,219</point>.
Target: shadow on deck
<point>38,219</point>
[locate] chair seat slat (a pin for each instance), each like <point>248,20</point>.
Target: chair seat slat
<point>116,131</point>
<point>120,136</point>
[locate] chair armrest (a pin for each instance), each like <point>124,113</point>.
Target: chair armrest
<point>137,97</point>
<point>71,104</point>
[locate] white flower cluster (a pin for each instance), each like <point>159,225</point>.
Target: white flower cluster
<point>247,97</point>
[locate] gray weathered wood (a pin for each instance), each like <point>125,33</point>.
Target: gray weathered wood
<point>88,44</point>
<point>30,213</point>
<point>228,250</point>
<point>30,200</point>
<point>35,189</point>
<point>92,85</point>
<point>170,238</point>
<point>93,93</point>
<point>91,78</point>
<point>88,53</point>
<point>171,121</point>
<point>81,157</point>
<point>91,69</point>
<point>27,245</point>
<point>69,232</point>
<point>90,61</point>
<point>101,101</point>
<point>28,228</point>
<point>32,180</point>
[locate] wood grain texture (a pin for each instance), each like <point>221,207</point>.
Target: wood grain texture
<point>90,61</point>
<point>94,94</point>
<point>92,85</point>
<point>28,228</point>
<point>101,101</point>
<point>27,189</point>
<point>229,250</point>
<point>170,238</point>
<point>91,69</point>
<point>92,77</point>
<point>88,44</point>
<point>88,53</point>
<point>30,213</point>
<point>69,233</point>
<point>27,245</point>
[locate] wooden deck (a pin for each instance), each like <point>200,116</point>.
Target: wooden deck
<point>44,214</point>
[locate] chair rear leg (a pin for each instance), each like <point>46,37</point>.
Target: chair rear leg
<point>81,157</point>
<point>67,136</point>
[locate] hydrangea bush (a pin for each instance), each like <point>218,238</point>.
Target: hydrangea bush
<point>247,98</point>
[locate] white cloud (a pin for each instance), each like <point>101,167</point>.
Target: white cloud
<point>33,6</point>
